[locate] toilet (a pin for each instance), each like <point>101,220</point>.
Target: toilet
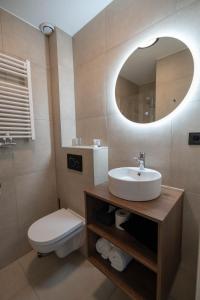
<point>61,232</point>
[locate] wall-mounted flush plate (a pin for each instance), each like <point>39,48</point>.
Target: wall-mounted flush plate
<point>194,138</point>
<point>74,162</point>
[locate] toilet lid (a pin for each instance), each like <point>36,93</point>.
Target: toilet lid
<point>55,226</point>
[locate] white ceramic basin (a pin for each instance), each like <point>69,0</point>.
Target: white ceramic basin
<point>133,184</point>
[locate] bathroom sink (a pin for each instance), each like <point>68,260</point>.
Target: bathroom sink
<point>133,184</point>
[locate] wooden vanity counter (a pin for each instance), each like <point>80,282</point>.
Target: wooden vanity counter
<point>150,274</point>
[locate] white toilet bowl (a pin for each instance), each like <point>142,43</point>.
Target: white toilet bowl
<point>62,231</point>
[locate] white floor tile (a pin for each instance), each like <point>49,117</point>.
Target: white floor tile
<point>71,278</point>
<point>12,281</point>
<point>26,293</point>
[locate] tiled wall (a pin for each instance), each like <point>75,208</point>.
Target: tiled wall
<point>27,170</point>
<point>98,48</point>
<point>69,184</point>
<point>62,82</point>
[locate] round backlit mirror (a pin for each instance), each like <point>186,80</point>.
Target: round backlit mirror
<point>154,80</point>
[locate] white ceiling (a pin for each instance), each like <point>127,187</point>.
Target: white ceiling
<point>140,66</point>
<point>68,15</point>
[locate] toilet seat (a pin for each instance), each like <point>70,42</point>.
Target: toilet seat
<point>55,227</point>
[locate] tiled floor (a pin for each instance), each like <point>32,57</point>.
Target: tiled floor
<point>51,278</point>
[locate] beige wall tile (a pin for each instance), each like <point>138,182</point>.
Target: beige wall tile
<point>55,99</point>
<point>38,53</point>
<point>61,160</point>
<point>31,156</point>
<point>122,21</point>
<point>6,163</point>
<point>62,80</point>
<point>66,92</point>
<point>64,49</point>
<point>15,46</point>
<point>41,92</point>
<point>90,89</point>
<point>36,196</point>
<point>8,223</point>
<point>185,165</point>
<point>56,108</point>
<point>11,25</point>
<point>91,128</point>
<point>24,245</point>
<point>71,190</point>
<point>8,214</point>
<point>184,285</point>
<point>191,222</point>
<point>23,40</point>
<point>10,249</point>
<point>90,41</point>
<point>53,54</point>
<point>68,129</point>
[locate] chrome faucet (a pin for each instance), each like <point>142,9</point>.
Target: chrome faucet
<point>141,160</point>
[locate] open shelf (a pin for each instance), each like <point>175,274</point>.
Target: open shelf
<point>130,279</point>
<point>127,243</point>
<point>150,274</point>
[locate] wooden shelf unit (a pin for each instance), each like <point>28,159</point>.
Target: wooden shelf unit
<point>150,274</point>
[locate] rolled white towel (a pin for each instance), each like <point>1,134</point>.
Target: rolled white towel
<point>103,247</point>
<point>119,259</point>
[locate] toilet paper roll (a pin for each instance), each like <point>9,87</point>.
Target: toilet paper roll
<point>121,216</point>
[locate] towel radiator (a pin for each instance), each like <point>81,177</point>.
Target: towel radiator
<point>16,107</point>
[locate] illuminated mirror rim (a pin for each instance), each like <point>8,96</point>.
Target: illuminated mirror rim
<point>123,60</point>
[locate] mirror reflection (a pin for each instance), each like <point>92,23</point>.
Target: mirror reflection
<point>154,80</point>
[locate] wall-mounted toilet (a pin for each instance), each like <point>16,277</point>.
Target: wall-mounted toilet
<point>61,232</point>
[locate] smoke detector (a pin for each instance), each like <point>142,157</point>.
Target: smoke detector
<point>46,28</point>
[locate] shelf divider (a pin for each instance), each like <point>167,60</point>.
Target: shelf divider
<point>127,243</point>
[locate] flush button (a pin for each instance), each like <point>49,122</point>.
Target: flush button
<point>194,138</point>
<point>74,162</point>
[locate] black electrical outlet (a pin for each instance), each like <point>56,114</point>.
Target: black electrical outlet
<point>74,162</point>
<point>194,138</point>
